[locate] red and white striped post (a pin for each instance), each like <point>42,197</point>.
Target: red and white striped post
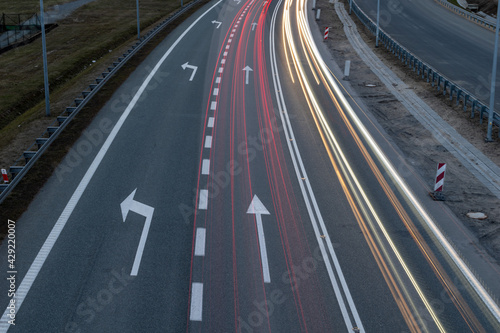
<point>5,176</point>
<point>327,29</point>
<point>438,186</point>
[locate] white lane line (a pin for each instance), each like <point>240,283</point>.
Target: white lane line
<point>223,61</point>
<point>205,167</point>
<point>217,80</point>
<point>227,47</point>
<point>232,35</point>
<point>203,201</point>
<point>308,194</point>
<point>199,247</point>
<point>196,301</point>
<point>234,30</point>
<point>211,122</point>
<point>225,54</point>
<point>213,106</point>
<point>216,91</point>
<point>208,141</point>
<point>221,70</point>
<point>236,26</point>
<point>36,266</point>
<point>229,40</point>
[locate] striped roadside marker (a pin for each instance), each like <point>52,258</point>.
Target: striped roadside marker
<point>5,176</point>
<point>327,29</point>
<point>438,186</point>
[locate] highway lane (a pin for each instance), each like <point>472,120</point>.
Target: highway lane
<point>459,49</point>
<point>202,145</point>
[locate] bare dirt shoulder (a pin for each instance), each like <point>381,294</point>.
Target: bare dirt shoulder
<point>463,192</point>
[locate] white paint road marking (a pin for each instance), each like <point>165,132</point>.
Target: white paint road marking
<point>208,141</point>
<point>205,167</point>
<point>44,252</point>
<point>232,35</point>
<point>129,204</point>
<point>194,68</point>
<point>229,40</point>
<point>216,91</point>
<point>221,70</point>
<point>247,69</point>
<point>203,203</point>
<point>196,301</point>
<point>218,23</point>
<point>217,80</point>
<point>211,122</point>
<point>199,247</point>
<point>213,106</point>
<point>223,61</point>
<point>234,30</point>
<point>225,54</point>
<point>256,207</point>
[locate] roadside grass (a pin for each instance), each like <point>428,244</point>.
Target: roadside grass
<point>20,198</point>
<point>86,35</point>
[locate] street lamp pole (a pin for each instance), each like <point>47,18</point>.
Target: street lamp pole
<point>45,69</point>
<point>378,25</point>
<point>138,21</point>
<point>493,79</point>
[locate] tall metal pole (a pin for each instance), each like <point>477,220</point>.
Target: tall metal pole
<point>378,25</point>
<point>493,79</point>
<point>138,22</point>
<point>45,69</point>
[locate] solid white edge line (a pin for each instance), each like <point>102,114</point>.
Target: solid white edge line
<point>199,248</point>
<point>296,158</point>
<point>44,252</point>
<point>196,301</point>
<point>205,168</point>
<point>203,203</point>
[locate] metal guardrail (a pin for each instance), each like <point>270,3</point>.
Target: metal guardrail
<point>29,157</point>
<point>468,15</point>
<point>427,72</point>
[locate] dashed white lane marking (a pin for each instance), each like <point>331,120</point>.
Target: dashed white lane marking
<point>205,167</point>
<point>211,122</point>
<point>236,26</point>
<point>213,106</point>
<point>196,301</point>
<point>217,80</point>
<point>234,30</point>
<point>208,141</point>
<point>232,35</point>
<point>230,40</point>
<point>225,54</point>
<point>216,91</point>
<point>221,70</point>
<point>223,61</point>
<point>203,203</point>
<point>227,47</point>
<point>199,248</point>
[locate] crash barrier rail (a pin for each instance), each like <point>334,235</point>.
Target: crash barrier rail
<point>29,157</point>
<point>468,15</point>
<point>427,72</point>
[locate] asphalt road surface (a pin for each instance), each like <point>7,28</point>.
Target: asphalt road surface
<point>229,186</point>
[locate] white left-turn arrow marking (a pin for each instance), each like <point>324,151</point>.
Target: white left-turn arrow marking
<point>257,208</point>
<point>218,23</point>
<point>194,68</point>
<point>247,70</point>
<point>130,204</point>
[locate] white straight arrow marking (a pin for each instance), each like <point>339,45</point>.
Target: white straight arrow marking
<point>257,208</point>
<point>247,70</point>
<point>253,26</point>
<point>194,68</point>
<point>218,23</point>
<point>130,204</point>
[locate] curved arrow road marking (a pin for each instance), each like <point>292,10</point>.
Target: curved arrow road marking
<point>44,252</point>
<point>257,207</point>
<point>194,68</point>
<point>130,204</point>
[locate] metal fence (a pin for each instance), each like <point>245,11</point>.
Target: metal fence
<point>427,72</point>
<point>18,28</point>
